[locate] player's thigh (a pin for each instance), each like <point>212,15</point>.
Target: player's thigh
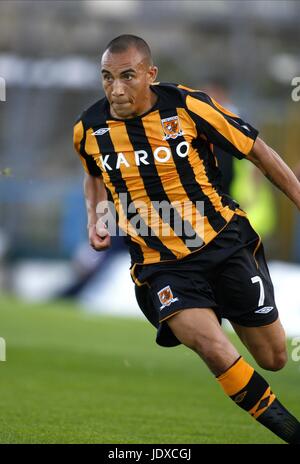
<point>266,343</point>
<point>199,329</point>
<point>244,290</point>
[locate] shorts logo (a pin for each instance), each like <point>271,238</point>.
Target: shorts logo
<point>171,128</point>
<point>166,297</point>
<point>264,310</point>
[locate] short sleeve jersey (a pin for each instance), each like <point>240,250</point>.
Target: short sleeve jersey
<point>161,171</point>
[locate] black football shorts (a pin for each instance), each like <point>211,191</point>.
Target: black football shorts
<point>229,275</point>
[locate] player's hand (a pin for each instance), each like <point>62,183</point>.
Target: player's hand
<point>99,237</point>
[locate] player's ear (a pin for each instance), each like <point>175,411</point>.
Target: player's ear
<point>152,73</point>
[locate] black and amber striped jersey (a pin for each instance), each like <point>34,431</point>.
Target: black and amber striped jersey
<point>164,157</point>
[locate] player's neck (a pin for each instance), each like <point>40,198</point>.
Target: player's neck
<point>149,103</point>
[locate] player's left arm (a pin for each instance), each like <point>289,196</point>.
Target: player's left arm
<point>275,169</point>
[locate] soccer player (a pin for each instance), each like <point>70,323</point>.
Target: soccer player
<point>147,145</point>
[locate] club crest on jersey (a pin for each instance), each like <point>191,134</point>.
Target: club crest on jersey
<point>171,127</point>
<point>166,297</point>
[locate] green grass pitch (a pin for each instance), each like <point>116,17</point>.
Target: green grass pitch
<point>70,377</point>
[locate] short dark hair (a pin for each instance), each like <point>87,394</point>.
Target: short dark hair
<point>123,42</point>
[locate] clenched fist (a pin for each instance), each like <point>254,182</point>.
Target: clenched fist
<point>99,237</point>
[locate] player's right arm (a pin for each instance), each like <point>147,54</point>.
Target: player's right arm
<point>94,192</point>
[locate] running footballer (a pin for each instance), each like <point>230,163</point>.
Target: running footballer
<point>147,144</point>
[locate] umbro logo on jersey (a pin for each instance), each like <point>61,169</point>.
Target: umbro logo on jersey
<point>101,131</point>
<point>246,127</point>
<point>264,310</point>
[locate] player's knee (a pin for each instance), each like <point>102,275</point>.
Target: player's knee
<point>275,362</point>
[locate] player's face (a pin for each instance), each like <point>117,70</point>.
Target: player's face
<point>126,79</point>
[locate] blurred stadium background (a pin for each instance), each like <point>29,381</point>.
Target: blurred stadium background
<point>49,58</point>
